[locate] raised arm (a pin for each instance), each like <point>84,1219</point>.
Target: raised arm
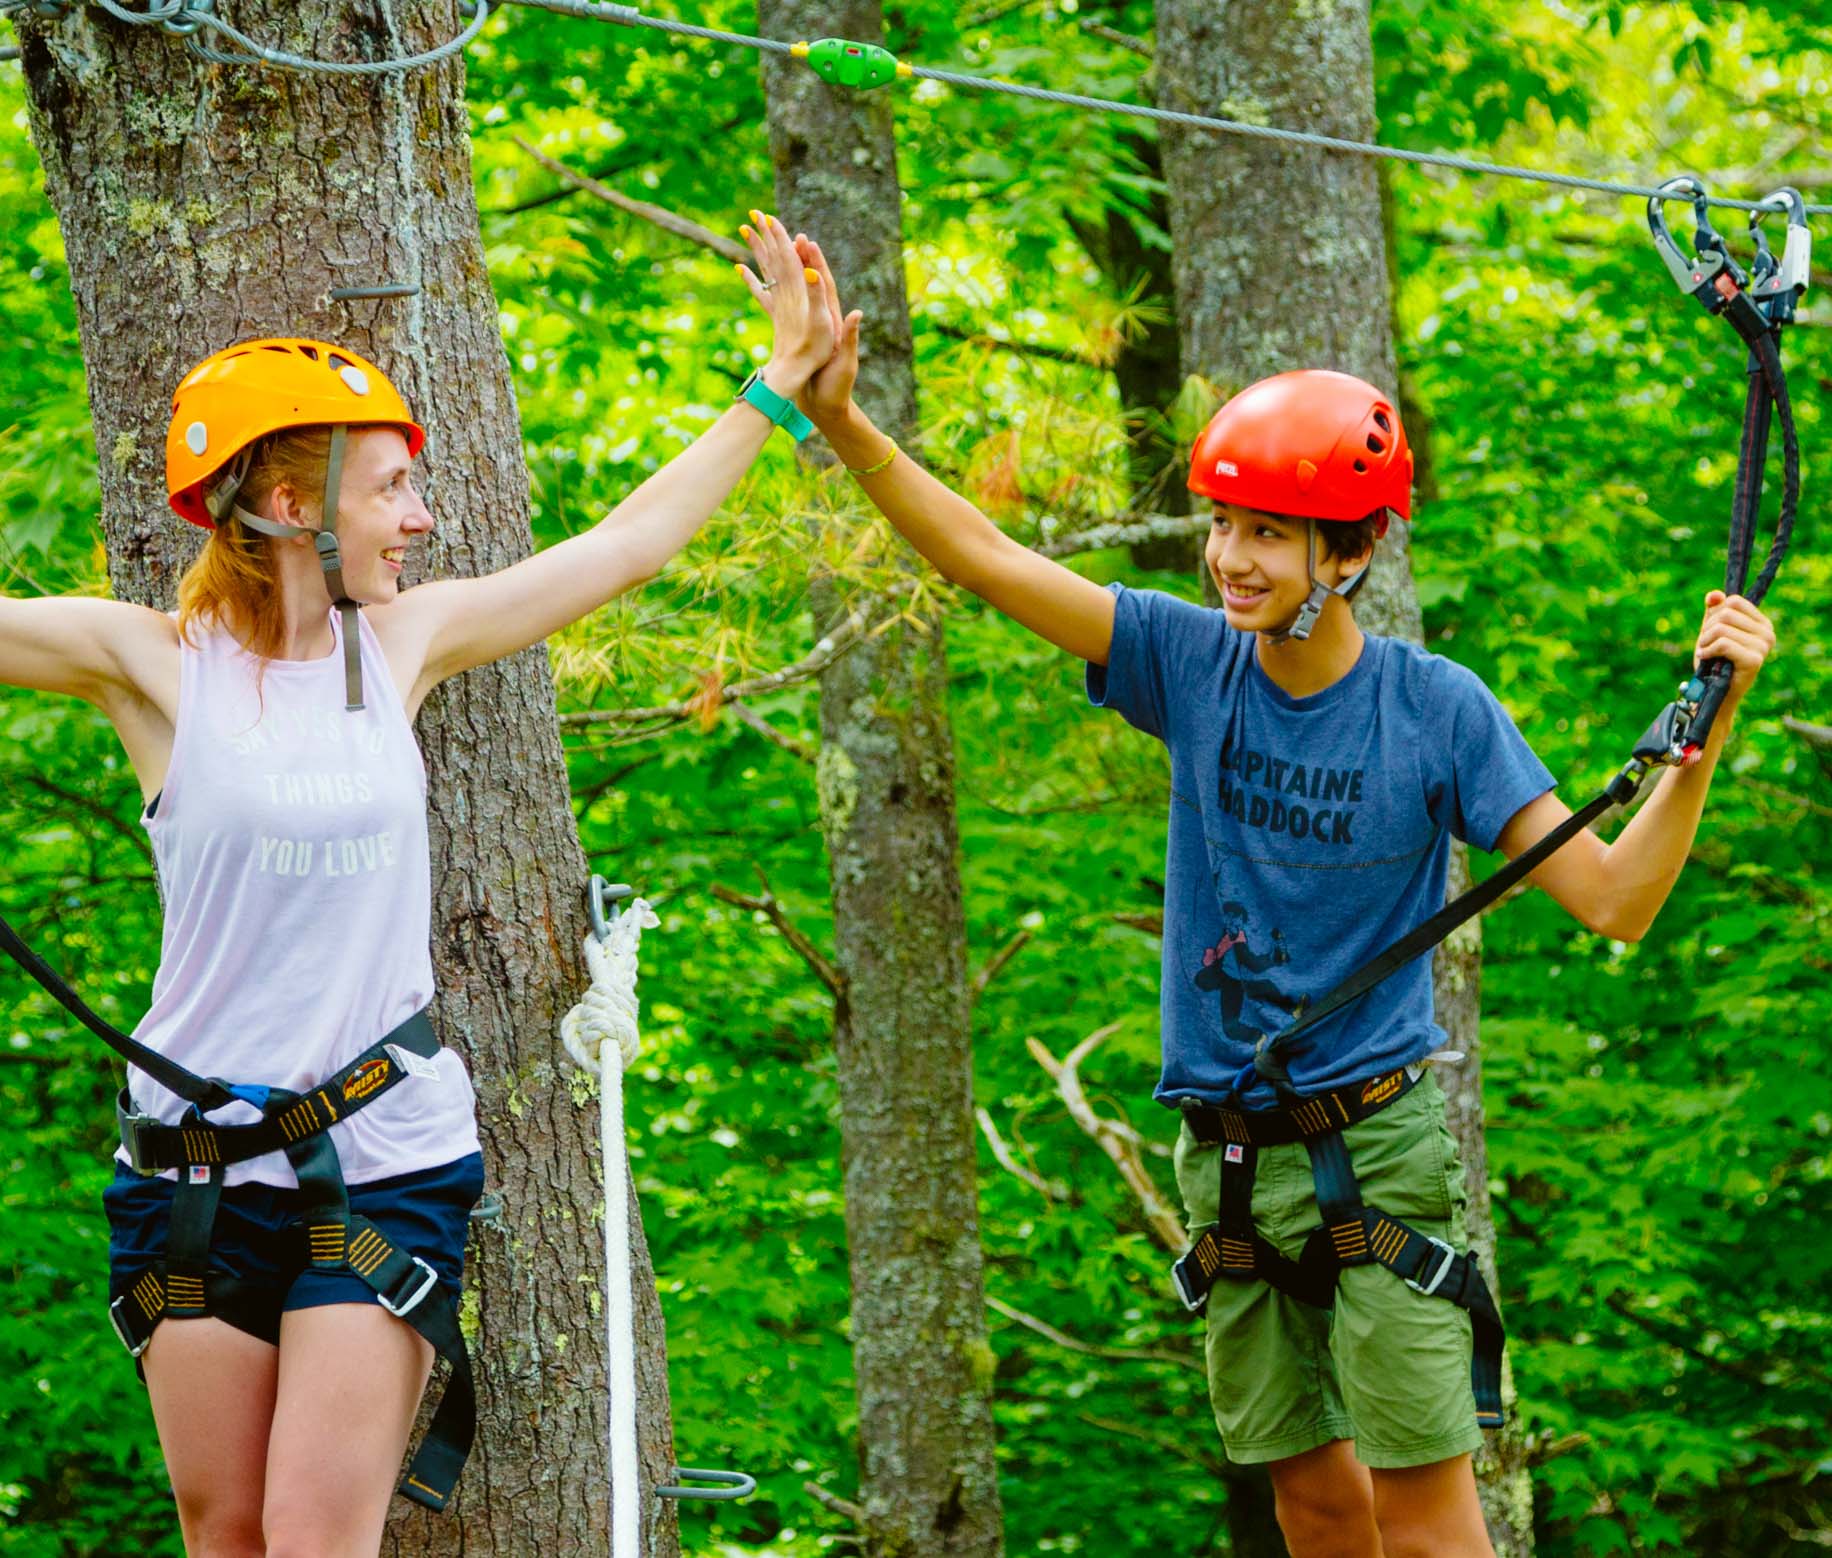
<point>78,645</point>
<point>467,622</point>
<point>1617,889</point>
<point>964,545</point>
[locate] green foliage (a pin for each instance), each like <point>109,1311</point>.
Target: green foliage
<point>1659,1115</point>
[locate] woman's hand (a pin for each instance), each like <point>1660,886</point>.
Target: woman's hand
<point>829,391</point>
<point>791,294</point>
<point>1736,631</point>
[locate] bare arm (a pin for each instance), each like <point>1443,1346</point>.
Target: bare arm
<point>964,545</point>
<point>76,644</point>
<point>1617,889</point>
<point>468,622</point>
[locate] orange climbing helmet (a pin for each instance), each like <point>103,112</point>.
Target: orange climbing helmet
<point>1314,444</point>
<point>236,397</point>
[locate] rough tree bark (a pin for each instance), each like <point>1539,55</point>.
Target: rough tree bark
<point>1280,262</point>
<point>203,205</point>
<point>923,1365</point>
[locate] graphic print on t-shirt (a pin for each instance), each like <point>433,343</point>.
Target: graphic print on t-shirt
<point>1241,982</point>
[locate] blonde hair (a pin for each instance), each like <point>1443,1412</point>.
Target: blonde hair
<point>233,585</point>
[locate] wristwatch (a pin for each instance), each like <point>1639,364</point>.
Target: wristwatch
<point>780,411</point>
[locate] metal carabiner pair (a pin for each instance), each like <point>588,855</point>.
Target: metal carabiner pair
<point>1711,274</point>
<point>605,894</point>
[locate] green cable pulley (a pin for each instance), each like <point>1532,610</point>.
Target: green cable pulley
<point>842,63</point>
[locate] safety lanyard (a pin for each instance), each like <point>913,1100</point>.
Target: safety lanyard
<point>1758,303</point>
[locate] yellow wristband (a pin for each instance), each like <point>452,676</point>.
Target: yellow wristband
<point>872,470</point>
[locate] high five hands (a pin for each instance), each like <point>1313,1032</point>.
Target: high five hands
<point>796,297</point>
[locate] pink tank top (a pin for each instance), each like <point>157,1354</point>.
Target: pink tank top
<point>291,845</point>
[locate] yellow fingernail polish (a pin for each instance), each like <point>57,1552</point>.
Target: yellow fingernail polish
<point>812,275</point>
<point>745,233</point>
<point>757,217</point>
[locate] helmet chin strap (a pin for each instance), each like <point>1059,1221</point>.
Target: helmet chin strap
<point>221,501</point>
<point>1301,626</point>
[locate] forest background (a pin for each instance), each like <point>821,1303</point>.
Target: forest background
<point>1660,1119</point>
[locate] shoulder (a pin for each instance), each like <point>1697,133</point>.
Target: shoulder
<point>1168,619</point>
<point>1428,683</point>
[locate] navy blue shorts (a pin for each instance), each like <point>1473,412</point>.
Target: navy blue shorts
<point>426,1213</point>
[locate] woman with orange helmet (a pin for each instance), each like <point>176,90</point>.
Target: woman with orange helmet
<point>1321,773</point>
<point>288,1216</point>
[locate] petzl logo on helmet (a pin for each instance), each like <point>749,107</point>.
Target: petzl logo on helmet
<point>1226,468</point>
<point>365,1079</point>
<point>1380,1089</point>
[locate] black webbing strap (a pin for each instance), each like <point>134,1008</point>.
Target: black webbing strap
<point>1267,1059</point>
<point>1352,1234</point>
<point>204,1092</point>
<point>153,1145</point>
<point>336,1239</point>
<point>1332,1111</point>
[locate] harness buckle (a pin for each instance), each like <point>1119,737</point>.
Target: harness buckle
<point>1191,1300</point>
<point>139,1157</point>
<point>401,1308</point>
<point>134,1349</point>
<point>1436,1281</point>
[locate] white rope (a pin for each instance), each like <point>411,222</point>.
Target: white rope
<point>601,1035</point>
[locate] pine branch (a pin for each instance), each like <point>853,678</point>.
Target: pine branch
<point>746,715</point>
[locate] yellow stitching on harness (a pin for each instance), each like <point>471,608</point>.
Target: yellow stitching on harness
<point>327,1243</point>
<point>149,1294</point>
<point>185,1292</point>
<point>368,1250</point>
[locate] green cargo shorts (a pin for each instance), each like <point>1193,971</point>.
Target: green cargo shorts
<point>1387,1367</point>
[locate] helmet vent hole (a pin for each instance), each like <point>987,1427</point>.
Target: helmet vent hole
<point>1362,466</point>
<point>339,362</point>
<point>1375,445</point>
<point>280,349</point>
<point>1380,418</point>
<point>310,351</point>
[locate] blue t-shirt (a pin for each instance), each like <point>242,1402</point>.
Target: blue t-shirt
<point>1306,836</point>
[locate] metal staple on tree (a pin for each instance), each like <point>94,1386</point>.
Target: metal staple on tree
<point>189,18</point>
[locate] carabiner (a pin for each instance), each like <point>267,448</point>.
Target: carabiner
<point>605,895</point>
<point>1779,285</point>
<point>1710,273</point>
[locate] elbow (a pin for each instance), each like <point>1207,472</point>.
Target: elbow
<point>1621,922</point>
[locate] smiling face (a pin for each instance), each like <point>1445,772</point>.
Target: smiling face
<point>1258,563</point>
<point>379,512</point>
<point>1261,565</point>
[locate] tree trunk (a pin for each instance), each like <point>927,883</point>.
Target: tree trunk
<point>928,1479</point>
<point>1280,261</point>
<point>202,205</point>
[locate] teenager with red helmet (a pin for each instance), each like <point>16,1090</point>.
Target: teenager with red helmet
<point>269,721</point>
<point>1323,773</point>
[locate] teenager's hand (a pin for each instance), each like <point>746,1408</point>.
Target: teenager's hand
<point>791,294</point>
<point>829,391</point>
<point>1736,631</point>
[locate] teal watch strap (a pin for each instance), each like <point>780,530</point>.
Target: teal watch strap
<point>780,411</point>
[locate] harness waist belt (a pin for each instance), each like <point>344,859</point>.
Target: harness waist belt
<point>152,1145</point>
<point>1332,1111</point>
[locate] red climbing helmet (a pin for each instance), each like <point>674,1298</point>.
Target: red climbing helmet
<point>1314,444</point>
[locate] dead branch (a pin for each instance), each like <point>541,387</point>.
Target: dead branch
<point>995,965</point>
<point>1007,1161</point>
<point>1115,1138</point>
<point>844,1508</point>
<point>660,216</point>
<point>810,954</point>
<point>1125,40</point>
<point>1180,1449</point>
<point>1544,1447</point>
<point>746,715</point>
<point>1125,531</point>
<point>1042,349</point>
<point>1819,736</point>
<point>1062,1339</point>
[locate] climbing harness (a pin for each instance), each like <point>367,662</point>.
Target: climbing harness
<point>327,1236</point>
<point>601,1036</point>
<point>839,61</point>
<point>1758,304</point>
